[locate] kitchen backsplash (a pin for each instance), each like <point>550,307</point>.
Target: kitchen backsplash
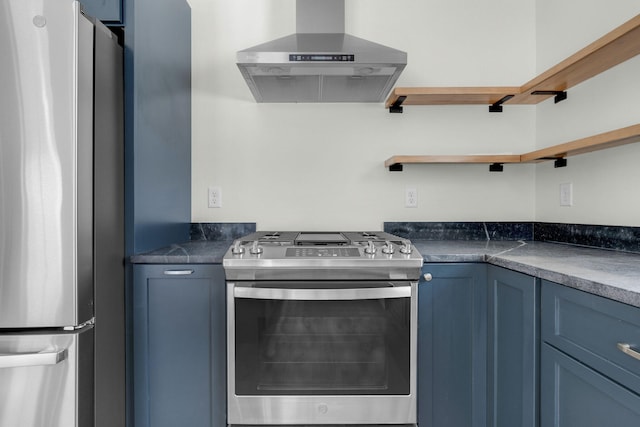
<point>461,230</point>
<point>221,230</point>
<point>619,238</point>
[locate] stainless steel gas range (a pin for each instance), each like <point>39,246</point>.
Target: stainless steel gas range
<point>321,329</point>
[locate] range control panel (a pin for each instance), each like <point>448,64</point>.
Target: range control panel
<point>305,252</point>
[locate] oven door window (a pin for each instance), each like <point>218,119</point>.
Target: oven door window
<point>320,347</point>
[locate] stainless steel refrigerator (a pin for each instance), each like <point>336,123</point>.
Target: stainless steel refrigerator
<point>61,218</point>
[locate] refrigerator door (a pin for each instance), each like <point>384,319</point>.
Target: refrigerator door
<point>47,380</point>
<point>46,161</point>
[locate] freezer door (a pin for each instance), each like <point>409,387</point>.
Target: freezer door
<point>47,380</point>
<point>46,162</point>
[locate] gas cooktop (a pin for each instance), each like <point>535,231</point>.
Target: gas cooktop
<point>316,238</point>
<point>322,255</point>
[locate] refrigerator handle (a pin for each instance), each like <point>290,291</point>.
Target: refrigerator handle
<point>32,359</point>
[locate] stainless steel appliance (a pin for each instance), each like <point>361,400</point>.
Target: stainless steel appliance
<point>321,329</point>
<point>320,62</point>
<point>61,248</point>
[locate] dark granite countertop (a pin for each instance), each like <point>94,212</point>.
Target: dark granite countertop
<point>612,274</point>
<point>192,252</point>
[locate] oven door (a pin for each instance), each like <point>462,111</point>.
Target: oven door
<point>322,352</point>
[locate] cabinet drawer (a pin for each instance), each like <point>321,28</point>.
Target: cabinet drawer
<point>592,329</point>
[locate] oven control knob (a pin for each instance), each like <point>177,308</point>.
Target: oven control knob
<point>388,248</point>
<point>428,277</point>
<point>323,408</point>
<point>256,249</point>
<point>370,249</point>
<point>237,249</point>
<point>406,247</point>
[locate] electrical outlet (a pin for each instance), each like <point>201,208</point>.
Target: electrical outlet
<point>215,197</point>
<point>566,194</point>
<point>411,198</point>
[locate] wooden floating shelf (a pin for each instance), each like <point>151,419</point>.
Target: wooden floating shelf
<point>615,47</point>
<point>614,138</point>
<point>450,95</point>
<point>405,160</point>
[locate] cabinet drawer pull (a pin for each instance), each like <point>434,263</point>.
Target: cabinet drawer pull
<point>178,272</point>
<point>627,349</point>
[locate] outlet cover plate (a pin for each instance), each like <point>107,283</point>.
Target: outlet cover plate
<point>411,198</point>
<point>566,194</point>
<point>215,197</point>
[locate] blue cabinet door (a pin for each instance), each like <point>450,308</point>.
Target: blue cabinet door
<point>513,347</point>
<point>452,342</point>
<point>107,11</point>
<point>586,378</point>
<point>591,329</point>
<point>574,395</point>
<point>178,317</point>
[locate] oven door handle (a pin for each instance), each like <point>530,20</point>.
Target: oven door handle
<point>323,294</point>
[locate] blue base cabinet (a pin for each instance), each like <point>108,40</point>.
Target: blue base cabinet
<point>587,377</point>
<point>178,357</point>
<point>575,395</point>
<point>478,347</point>
<point>452,342</point>
<point>513,348</point>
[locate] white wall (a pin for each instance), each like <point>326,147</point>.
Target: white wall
<point>606,186</point>
<point>320,166</point>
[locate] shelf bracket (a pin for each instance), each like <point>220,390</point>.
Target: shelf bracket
<point>496,107</point>
<point>496,167</point>
<point>396,107</point>
<point>560,162</point>
<point>396,167</point>
<point>560,95</point>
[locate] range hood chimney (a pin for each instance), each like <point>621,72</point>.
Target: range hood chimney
<point>320,63</point>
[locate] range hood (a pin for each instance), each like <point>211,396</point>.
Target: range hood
<point>320,63</point>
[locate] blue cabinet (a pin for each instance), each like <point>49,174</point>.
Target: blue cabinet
<point>572,395</point>
<point>513,348</point>
<point>452,343</point>
<point>107,11</point>
<point>478,347</point>
<point>587,378</point>
<point>179,363</point>
<point>157,123</point>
